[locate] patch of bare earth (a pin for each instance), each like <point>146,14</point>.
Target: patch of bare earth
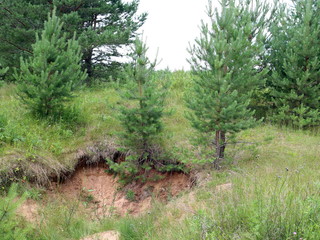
<point>104,196</point>
<point>109,235</point>
<point>29,210</point>
<point>224,187</point>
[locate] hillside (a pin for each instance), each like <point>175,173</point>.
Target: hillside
<point>267,189</point>
<point>56,147</point>
<point>97,142</point>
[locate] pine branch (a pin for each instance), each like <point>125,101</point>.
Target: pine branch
<point>12,14</point>
<point>78,7</point>
<point>11,43</point>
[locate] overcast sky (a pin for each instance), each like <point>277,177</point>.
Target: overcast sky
<point>170,27</point>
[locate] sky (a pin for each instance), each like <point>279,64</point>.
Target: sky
<point>170,27</point>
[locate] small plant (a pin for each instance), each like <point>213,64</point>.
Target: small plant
<point>127,170</point>
<point>33,193</point>
<point>88,199</point>
<point>7,135</point>
<point>173,168</point>
<point>86,196</point>
<point>130,195</point>
<point>10,228</point>
<point>3,123</point>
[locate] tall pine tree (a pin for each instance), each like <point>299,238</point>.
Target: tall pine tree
<point>49,76</point>
<point>295,62</point>
<point>20,21</point>
<point>102,27</point>
<point>225,63</point>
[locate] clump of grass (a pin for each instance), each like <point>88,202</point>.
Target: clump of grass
<point>64,222</point>
<point>130,195</point>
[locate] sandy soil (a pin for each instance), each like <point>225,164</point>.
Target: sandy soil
<point>104,197</point>
<point>110,235</point>
<point>103,192</point>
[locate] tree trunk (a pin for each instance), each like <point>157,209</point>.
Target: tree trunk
<point>220,141</point>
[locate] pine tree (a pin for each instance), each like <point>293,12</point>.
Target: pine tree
<point>225,64</point>
<point>142,120</point>
<point>9,226</point>
<point>20,21</point>
<point>49,76</point>
<point>102,28</point>
<point>295,62</point>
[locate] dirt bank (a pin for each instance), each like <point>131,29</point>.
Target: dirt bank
<point>102,195</point>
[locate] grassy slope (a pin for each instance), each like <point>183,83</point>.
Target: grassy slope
<point>52,148</point>
<point>274,195</point>
<point>275,184</point>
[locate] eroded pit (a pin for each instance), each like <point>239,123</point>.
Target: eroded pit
<point>102,196</point>
<point>103,192</point>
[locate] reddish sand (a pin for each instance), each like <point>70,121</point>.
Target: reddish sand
<point>103,191</point>
<point>104,197</point>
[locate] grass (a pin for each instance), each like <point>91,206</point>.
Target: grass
<point>28,144</point>
<point>274,195</point>
<point>275,191</point>
<point>53,146</point>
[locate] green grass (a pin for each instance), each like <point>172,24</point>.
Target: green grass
<point>38,135</point>
<point>274,195</point>
<point>53,146</point>
<point>28,143</point>
<point>275,190</point>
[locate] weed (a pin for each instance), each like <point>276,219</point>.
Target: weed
<point>130,195</point>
